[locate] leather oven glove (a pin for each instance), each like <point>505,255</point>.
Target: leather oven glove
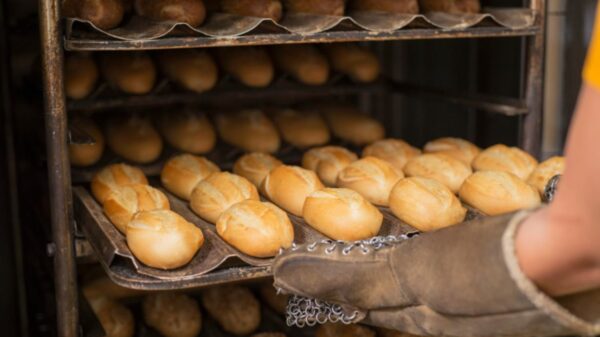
<point>460,281</point>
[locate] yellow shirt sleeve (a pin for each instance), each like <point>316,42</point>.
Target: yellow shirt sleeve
<point>591,71</point>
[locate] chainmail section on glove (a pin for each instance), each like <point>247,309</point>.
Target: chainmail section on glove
<point>551,187</point>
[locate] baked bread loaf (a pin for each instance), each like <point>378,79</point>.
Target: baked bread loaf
<point>219,191</point>
<point>112,176</point>
<point>351,125</point>
<point>132,73</point>
<point>106,14</point>
<point>81,75</point>
<point>498,192</point>
<point>183,172</point>
<point>425,204</point>
<point>86,154</point>
<point>302,129</point>
<point>395,151</point>
<point>271,9</point>
<point>503,158</point>
<point>172,314</point>
<point>191,12</point>
<point>234,307</point>
<point>545,171</point>
<point>116,319</point>
<point>288,187</point>
<point>450,6</point>
<point>255,166</point>
<point>277,302</point>
<point>188,131</point>
<point>390,6</point>
<point>342,214</point>
<point>192,69</point>
<point>249,130</point>
<point>255,228</point>
<point>252,66</point>
<point>134,139</point>
<point>343,330</point>
<point>163,239</point>
<point>372,177</point>
<point>328,161</point>
<point>319,7</point>
<point>357,62</point>
<point>460,149</point>
<point>441,167</point>
<point>303,62</point>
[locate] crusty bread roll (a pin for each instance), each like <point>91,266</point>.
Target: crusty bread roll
<point>255,166</point>
<point>460,149</point>
<point>183,172</point>
<point>383,332</point>
<point>390,6</point>
<point>277,302</point>
<point>172,314</point>
<point>250,130</point>
<point>351,125</point>
<point>319,7</point>
<point>498,192</point>
<point>304,62</point>
<point>342,214</point>
<point>503,158</point>
<point>302,129</point>
<point>255,228</point>
<point>450,6</point>
<point>425,204</point>
<point>252,66</point>
<point>134,139</point>
<point>545,171</point>
<point>234,307</point>
<point>441,167</point>
<point>116,319</point>
<point>395,151</point>
<point>163,239</point>
<point>125,201</point>
<point>106,14</point>
<point>288,187</point>
<point>132,73</point>
<point>219,191</point>
<point>188,131</point>
<point>271,9</point>
<point>357,62</point>
<point>86,154</point>
<point>372,177</point>
<point>343,330</point>
<point>328,161</point>
<point>112,176</point>
<point>192,69</point>
<point>191,12</point>
<point>81,75</point>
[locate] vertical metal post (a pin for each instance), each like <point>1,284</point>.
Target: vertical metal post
<point>59,174</point>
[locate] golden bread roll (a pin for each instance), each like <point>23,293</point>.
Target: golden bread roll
<point>163,239</point>
<point>252,66</point>
<point>327,162</point>
<point>441,167</point>
<point>250,130</point>
<point>425,204</point>
<point>390,6</point>
<point>234,307</point>
<point>508,159</point>
<point>460,149</point>
<point>303,62</point>
<point>132,73</point>
<point>81,75</point>
<point>134,139</point>
<point>105,287</point>
<point>219,191</point>
<point>395,151</point>
<point>255,228</point>
<point>372,177</point>
<point>450,6</point>
<point>112,176</point>
<point>105,14</point>
<point>288,187</point>
<point>188,131</point>
<point>342,214</point>
<point>192,69</point>
<point>343,330</point>
<point>183,172</point>
<point>271,9</point>
<point>172,314</point>
<point>86,154</point>
<point>383,332</point>
<point>125,201</point>
<point>116,319</point>
<point>319,7</point>
<point>357,62</point>
<point>277,302</point>
<point>545,171</point>
<point>302,129</point>
<point>191,12</point>
<point>351,125</point>
<point>255,166</point>
<point>498,192</point>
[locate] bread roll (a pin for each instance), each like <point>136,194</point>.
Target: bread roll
<point>106,14</point>
<point>188,131</point>
<point>545,171</point>
<point>441,167</point>
<point>372,177</point>
<point>234,307</point>
<point>450,6</point>
<point>425,204</point>
<point>132,73</point>
<point>163,239</point>
<point>288,187</point>
<point>319,7</point>
<point>134,139</point>
<point>498,192</point>
<point>112,176</point>
<point>328,161</point>
<point>215,194</point>
<point>303,62</point>
<point>351,125</point>
<point>252,66</point>
<point>172,314</point>
<point>277,302</point>
<point>343,330</point>
<point>116,319</point>
<point>357,62</point>
<point>460,149</point>
<point>250,130</point>
<point>271,9</point>
<point>302,129</point>
<point>191,12</point>
<point>255,166</point>
<point>86,154</point>
<point>395,151</point>
<point>81,75</point>
<point>125,201</point>
<point>503,158</point>
<point>390,6</point>
<point>183,172</point>
<point>192,69</point>
<point>255,228</point>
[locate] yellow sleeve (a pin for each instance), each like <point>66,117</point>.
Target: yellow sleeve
<point>591,71</point>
